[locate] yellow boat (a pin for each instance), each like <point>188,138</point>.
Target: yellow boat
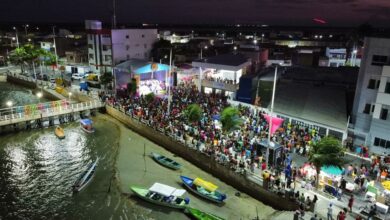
<point>59,132</point>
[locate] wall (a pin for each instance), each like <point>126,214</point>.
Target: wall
<point>206,163</point>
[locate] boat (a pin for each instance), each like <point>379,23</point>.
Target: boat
<point>164,195</point>
<point>200,215</point>
<point>59,132</point>
<point>165,161</point>
<point>85,177</point>
<point>204,189</point>
<point>86,125</point>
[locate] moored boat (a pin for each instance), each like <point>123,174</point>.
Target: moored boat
<point>204,189</point>
<point>200,215</point>
<point>59,132</point>
<point>85,177</point>
<point>165,161</point>
<point>164,195</point>
<point>86,125</point>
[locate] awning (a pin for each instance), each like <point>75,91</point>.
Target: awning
<point>207,185</point>
<point>166,190</point>
<point>86,121</point>
<point>153,67</point>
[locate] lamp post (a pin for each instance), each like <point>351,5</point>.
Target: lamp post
<point>9,104</point>
<point>201,51</point>
<point>25,28</point>
<point>70,96</point>
<point>39,95</point>
<point>271,115</point>
<point>16,35</point>
<point>169,83</point>
<point>55,46</point>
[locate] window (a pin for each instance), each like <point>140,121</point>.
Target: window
<point>387,88</point>
<point>373,108</point>
<point>91,56</point>
<point>387,144</point>
<point>90,36</point>
<point>71,57</point>
<point>381,142</point>
<point>383,115</point>
<point>371,84</point>
<point>143,36</point>
<point>106,47</point>
<point>127,36</point>
<point>106,36</point>
<point>127,47</point>
<point>128,56</point>
<point>379,60</point>
<point>146,55</point>
<point>90,46</point>
<point>107,58</point>
<point>367,109</point>
<point>145,46</point>
<point>376,141</point>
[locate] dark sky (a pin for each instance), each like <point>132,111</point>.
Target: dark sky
<point>276,12</point>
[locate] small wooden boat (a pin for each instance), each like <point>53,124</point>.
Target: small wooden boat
<point>200,215</point>
<point>164,195</point>
<point>86,125</point>
<point>165,161</point>
<point>85,177</point>
<point>204,189</point>
<point>59,132</point>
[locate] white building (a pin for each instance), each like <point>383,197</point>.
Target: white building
<point>108,47</point>
<point>337,56</point>
<point>372,98</point>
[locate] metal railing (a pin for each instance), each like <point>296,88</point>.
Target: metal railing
<point>42,110</point>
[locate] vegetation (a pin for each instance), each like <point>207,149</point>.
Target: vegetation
<point>28,54</point>
<point>132,87</point>
<point>106,79</point>
<point>193,113</point>
<point>160,50</point>
<point>230,119</point>
<point>327,152</point>
<point>149,97</point>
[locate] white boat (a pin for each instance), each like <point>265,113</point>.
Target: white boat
<point>85,177</point>
<point>86,125</point>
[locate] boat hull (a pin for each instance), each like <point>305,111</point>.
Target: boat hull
<point>187,182</point>
<point>85,180</point>
<point>141,193</point>
<point>199,215</point>
<point>163,161</point>
<point>86,130</point>
<point>59,132</point>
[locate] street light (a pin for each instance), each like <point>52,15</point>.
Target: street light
<point>9,104</point>
<point>16,34</point>
<point>255,41</point>
<point>70,95</point>
<point>201,51</point>
<point>39,95</point>
<point>25,28</point>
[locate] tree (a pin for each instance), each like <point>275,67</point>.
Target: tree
<point>193,113</point>
<point>106,78</point>
<point>150,97</point>
<point>327,152</point>
<point>230,119</point>
<point>132,87</point>
<point>158,51</point>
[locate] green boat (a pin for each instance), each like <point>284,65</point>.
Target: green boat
<point>165,161</point>
<point>164,195</point>
<point>199,215</point>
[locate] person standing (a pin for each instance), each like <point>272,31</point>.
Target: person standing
<point>350,203</point>
<point>330,212</point>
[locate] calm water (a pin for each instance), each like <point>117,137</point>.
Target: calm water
<point>37,170</point>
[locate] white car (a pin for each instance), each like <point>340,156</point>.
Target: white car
<point>77,76</point>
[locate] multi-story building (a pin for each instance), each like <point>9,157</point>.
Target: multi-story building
<point>108,47</point>
<point>372,98</point>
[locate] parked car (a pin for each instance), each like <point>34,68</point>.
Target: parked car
<point>77,76</point>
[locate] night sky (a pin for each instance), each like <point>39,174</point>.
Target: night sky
<point>272,12</point>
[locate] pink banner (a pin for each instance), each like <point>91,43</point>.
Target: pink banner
<point>276,123</point>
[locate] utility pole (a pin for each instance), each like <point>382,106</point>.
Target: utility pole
<point>271,115</point>
<point>169,82</point>
<point>114,14</point>
<point>55,46</point>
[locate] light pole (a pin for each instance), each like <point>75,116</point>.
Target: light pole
<point>201,51</point>
<point>17,38</point>
<point>25,28</point>
<point>169,83</point>
<point>70,96</point>
<point>270,118</point>
<point>39,95</point>
<point>9,104</point>
<point>55,46</point>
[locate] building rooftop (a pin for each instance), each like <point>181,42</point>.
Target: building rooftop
<point>324,105</point>
<point>225,59</point>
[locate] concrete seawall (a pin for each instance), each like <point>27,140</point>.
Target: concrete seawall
<point>205,163</point>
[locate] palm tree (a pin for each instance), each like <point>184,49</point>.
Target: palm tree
<point>193,113</point>
<point>327,152</point>
<point>230,119</point>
